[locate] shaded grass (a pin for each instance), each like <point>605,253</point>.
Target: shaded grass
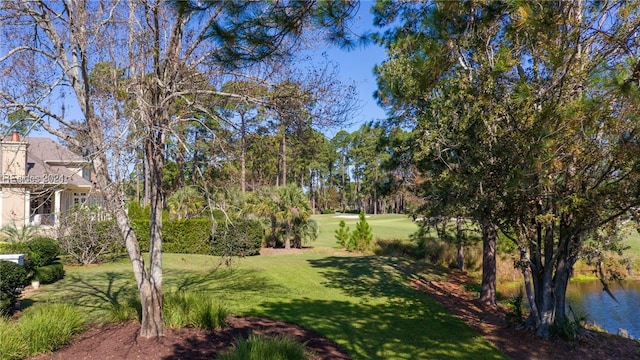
<point>363,303</point>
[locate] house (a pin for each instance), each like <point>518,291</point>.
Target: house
<point>39,179</point>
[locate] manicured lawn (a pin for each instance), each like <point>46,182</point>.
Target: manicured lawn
<point>361,302</point>
<point>388,226</point>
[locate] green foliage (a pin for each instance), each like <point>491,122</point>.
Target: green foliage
<point>14,234</point>
<point>137,212</point>
<point>361,236</point>
<point>119,312</point>
<point>18,248</point>
<point>43,251</point>
<point>397,248</point>
<point>49,274</point>
<point>12,346</point>
<point>47,327</point>
<point>569,327</point>
<point>258,347</point>
<point>342,234</point>
<point>183,309</point>
<point>239,237</point>
<point>12,279</point>
<point>185,203</point>
<point>191,236</point>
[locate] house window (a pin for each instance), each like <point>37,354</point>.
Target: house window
<point>79,198</point>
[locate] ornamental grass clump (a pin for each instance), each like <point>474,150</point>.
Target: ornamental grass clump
<point>186,309</point>
<point>258,347</point>
<point>47,327</point>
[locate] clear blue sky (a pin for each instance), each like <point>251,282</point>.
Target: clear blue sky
<point>356,66</point>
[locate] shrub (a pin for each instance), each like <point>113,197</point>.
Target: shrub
<point>342,234</point>
<point>50,273</point>
<point>48,327</point>
<point>361,236</point>
<point>184,309</point>
<point>12,279</point>
<point>14,234</point>
<point>258,347</point>
<point>191,236</point>
<point>240,237</point>
<point>43,251</point>
<point>87,235</point>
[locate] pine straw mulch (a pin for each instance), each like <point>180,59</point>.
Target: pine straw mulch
<point>492,322</point>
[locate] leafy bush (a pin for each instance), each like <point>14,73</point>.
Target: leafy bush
<point>12,279</point>
<point>50,273</point>
<point>258,347</point>
<point>191,236</point>
<point>239,238</point>
<point>87,235</point>
<point>43,251</point>
<point>48,327</point>
<point>184,309</point>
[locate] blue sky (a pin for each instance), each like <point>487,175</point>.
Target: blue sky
<point>356,66</point>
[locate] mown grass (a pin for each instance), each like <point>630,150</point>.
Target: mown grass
<point>363,303</point>
<point>386,226</point>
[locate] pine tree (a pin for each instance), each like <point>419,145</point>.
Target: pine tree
<point>361,236</point>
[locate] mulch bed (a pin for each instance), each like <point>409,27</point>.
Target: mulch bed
<point>121,341</point>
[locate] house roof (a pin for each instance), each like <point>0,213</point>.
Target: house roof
<point>46,159</point>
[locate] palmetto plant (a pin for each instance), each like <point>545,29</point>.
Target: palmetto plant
<point>185,202</point>
<point>14,234</point>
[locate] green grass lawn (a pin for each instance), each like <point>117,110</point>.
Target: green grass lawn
<point>361,302</point>
<point>388,226</point>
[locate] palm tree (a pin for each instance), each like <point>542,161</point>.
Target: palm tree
<point>293,207</point>
<point>185,202</point>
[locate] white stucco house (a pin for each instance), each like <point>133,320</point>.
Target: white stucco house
<point>39,179</point>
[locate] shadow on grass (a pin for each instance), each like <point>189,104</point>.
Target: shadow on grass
<point>388,319</point>
<point>400,329</point>
<point>100,291</point>
<point>372,276</point>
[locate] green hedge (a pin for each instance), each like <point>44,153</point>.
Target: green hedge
<point>49,274</point>
<point>18,248</point>
<point>193,236</point>
<point>178,236</point>
<point>239,238</point>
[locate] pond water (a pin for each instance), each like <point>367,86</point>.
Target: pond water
<point>587,298</point>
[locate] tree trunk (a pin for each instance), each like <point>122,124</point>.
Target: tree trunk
<point>488,288</point>
<point>287,235</point>
<point>460,238</point>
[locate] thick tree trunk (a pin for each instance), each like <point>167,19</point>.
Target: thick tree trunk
<point>488,287</point>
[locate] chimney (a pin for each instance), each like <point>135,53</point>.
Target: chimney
<point>13,156</point>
